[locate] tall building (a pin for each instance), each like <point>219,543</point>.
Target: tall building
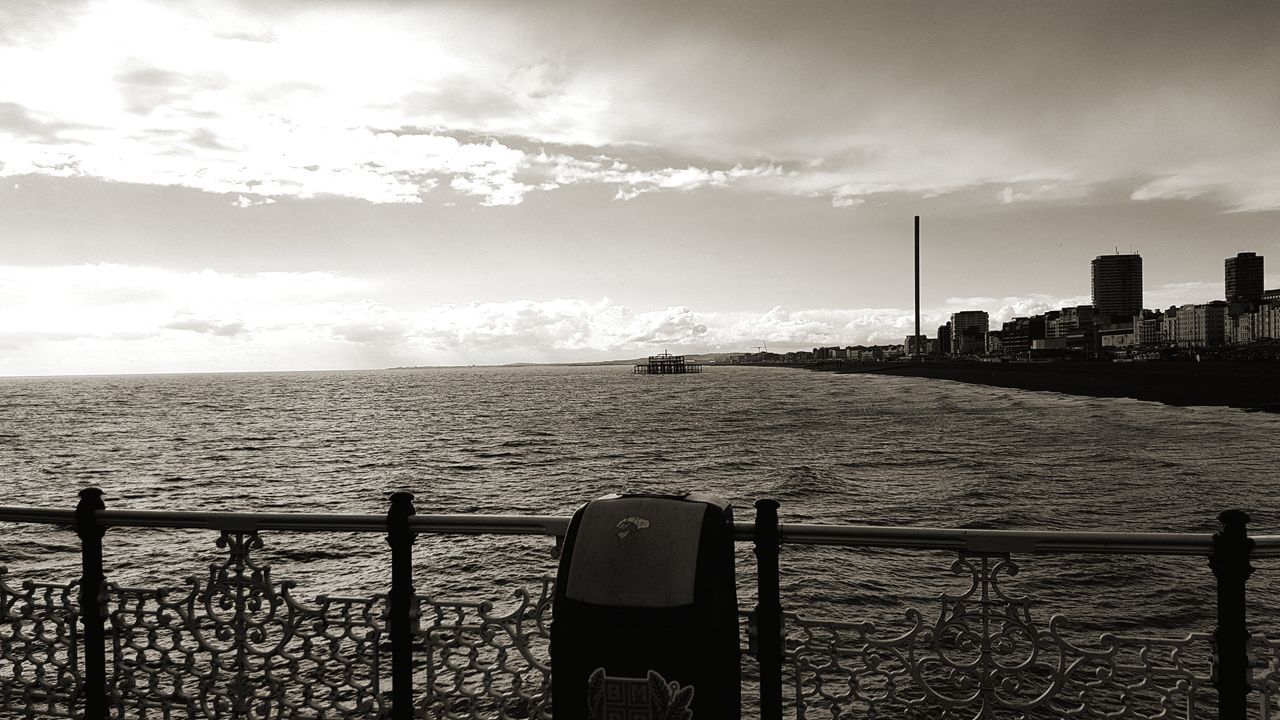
<point>944,339</point>
<point>1244,278</point>
<point>969,332</point>
<point>1117,287</point>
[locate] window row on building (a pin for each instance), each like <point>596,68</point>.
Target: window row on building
<point>1207,325</point>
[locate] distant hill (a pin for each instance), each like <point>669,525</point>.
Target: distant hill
<point>704,358</point>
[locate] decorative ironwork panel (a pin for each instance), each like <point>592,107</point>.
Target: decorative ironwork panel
<point>1265,654</point>
<point>479,663</point>
<point>39,640</point>
<point>986,656</point>
<point>235,645</point>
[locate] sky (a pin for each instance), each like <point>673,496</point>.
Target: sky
<point>227,185</point>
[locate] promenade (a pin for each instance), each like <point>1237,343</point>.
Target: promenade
<point>1249,385</point>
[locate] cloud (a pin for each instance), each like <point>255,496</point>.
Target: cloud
<point>22,123</point>
<point>221,329</point>
<point>25,21</point>
<point>236,98</point>
<point>205,138</point>
<point>139,319</point>
<point>1038,191</point>
<point>147,89</point>
<point>180,98</point>
<point>1249,186</point>
<point>243,201</point>
<point>676,325</point>
<point>1004,309</point>
<point>105,318</point>
<point>109,300</point>
<point>277,158</point>
<point>631,181</point>
<point>1196,291</point>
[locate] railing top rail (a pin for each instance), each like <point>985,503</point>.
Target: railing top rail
<point>242,521</point>
<point>1266,546</point>
<point>956,539</point>
<point>52,516</point>
<point>491,524</point>
<point>304,522</point>
<point>999,541</point>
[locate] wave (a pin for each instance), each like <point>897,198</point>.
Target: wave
<point>877,451</point>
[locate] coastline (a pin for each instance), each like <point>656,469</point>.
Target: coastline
<point>1250,386</point>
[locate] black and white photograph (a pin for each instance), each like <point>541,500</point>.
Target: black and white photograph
<point>639,360</point>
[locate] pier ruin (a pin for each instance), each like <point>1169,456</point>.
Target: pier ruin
<point>666,364</point>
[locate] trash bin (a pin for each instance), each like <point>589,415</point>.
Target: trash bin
<point>646,585</point>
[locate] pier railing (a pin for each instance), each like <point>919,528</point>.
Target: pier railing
<point>235,643</point>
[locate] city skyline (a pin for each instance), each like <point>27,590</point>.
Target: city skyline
<point>235,186</point>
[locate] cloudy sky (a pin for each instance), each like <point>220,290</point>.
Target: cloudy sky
<point>235,185</point>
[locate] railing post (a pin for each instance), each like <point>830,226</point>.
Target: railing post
<point>399,604</point>
<point>769,650</point>
<point>1230,564</point>
<point>92,579</point>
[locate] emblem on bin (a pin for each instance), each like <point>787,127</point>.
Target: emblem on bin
<point>628,526</point>
<point>648,698</point>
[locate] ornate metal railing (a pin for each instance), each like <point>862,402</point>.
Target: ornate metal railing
<point>236,643</point>
<point>985,654</point>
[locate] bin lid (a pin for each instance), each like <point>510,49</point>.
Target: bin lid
<point>636,552</point>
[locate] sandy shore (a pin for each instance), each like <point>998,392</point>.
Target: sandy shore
<point>1254,386</point>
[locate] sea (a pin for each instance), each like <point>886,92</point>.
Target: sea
<point>844,449</point>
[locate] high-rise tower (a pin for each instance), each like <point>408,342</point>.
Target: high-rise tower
<point>969,332</point>
<point>1244,278</point>
<point>1117,287</point>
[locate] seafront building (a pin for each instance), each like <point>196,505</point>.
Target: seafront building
<point>1068,329</point>
<point>1069,321</point>
<point>944,339</point>
<point>1117,323</point>
<point>1201,325</point>
<point>1240,329</point>
<point>1018,334</point>
<point>1243,278</point>
<point>995,343</point>
<point>1117,287</point>
<point>1245,324</point>
<point>1146,327</point>
<point>1267,320</point>
<point>1259,324</point>
<point>916,344</point>
<point>969,332</point>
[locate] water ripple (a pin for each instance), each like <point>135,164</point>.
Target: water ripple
<point>848,448</point>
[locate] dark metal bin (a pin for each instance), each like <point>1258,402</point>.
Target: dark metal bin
<point>646,584</point>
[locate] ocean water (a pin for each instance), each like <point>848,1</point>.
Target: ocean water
<point>830,448</point>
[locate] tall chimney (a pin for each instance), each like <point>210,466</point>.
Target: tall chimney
<point>917,338</point>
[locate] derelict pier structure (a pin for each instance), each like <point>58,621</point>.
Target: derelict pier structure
<point>666,364</point>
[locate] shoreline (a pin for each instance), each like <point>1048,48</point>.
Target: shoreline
<point>1249,386</point>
